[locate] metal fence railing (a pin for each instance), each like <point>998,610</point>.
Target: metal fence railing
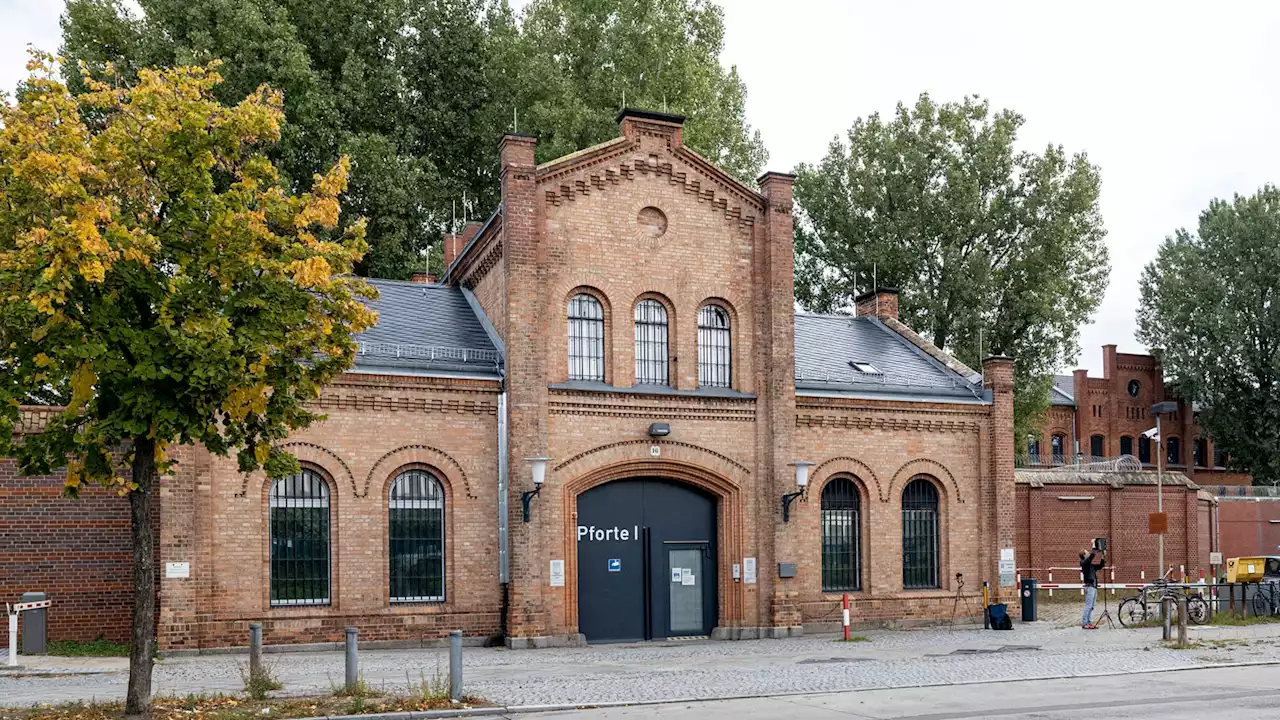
<point>1076,463</point>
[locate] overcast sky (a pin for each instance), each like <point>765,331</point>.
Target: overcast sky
<point>1178,103</point>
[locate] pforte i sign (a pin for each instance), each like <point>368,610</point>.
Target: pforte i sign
<point>591,533</point>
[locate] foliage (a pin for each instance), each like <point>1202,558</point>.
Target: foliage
<point>417,93</point>
<point>260,681</point>
<point>99,647</point>
<point>152,265</point>
<point>995,250</point>
<point>232,707</point>
<point>1211,309</point>
<point>576,62</point>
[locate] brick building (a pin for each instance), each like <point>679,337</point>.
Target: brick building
<point>627,316</point>
<point>1101,418</point>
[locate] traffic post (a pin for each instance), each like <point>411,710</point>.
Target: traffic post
<point>845,617</point>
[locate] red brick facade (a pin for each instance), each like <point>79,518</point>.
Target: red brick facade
<point>587,224</point>
<point>1108,410</point>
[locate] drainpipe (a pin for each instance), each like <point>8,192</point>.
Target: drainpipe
<point>504,565</point>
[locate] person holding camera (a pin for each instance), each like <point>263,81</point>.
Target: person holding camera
<point>1091,561</point>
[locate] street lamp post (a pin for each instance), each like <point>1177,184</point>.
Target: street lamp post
<point>1158,410</point>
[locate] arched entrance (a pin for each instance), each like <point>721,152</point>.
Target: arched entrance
<point>646,552</point>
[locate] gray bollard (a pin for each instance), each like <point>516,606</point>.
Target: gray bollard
<point>353,661</point>
<point>255,649</point>
<point>455,665</point>
<point>1182,620</point>
<point>1168,618</point>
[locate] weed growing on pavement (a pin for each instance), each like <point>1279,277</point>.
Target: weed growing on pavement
<point>237,707</point>
<point>358,689</point>
<point>434,690</point>
<point>258,684</point>
<point>854,638</point>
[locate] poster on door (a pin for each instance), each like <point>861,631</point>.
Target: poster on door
<point>749,571</point>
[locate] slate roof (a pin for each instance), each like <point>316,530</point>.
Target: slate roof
<point>427,328</point>
<point>1064,390</point>
<point>827,344</point>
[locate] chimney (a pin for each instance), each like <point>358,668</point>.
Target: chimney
<point>453,244</point>
<point>633,121</point>
<point>881,302</point>
<point>1108,361</point>
<point>423,278</point>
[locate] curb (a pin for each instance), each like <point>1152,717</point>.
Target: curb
<point>523,709</point>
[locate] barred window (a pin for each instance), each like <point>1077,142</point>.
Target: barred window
<point>586,338</point>
<point>1097,446</point>
<point>920,536</point>
<point>1126,445</point>
<point>714,347</point>
<point>651,343</point>
<point>1058,443</point>
<point>1144,449</point>
<point>841,551</point>
<point>416,533</point>
<point>299,531</point>
<point>1219,457</point>
<point>1173,449</point>
<point>1200,451</point>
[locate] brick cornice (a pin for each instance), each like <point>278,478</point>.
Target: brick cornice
<point>647,442</point>
<point>631,405</point>
<point>864,422</point>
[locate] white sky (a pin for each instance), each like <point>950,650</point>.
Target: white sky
<point>1177,102</point>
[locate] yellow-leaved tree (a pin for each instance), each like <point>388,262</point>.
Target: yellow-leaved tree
<point>162,287</point>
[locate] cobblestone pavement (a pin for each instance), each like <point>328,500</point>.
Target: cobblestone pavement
<point>703,669</point>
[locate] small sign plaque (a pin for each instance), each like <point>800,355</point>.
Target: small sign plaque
<point>180,570</point>
<point>749,571</point>
<point>1157,523</point>
<point>1215,558</point>
<point>557,573</point>
<point>1008,568</point>
<point>615,565</point>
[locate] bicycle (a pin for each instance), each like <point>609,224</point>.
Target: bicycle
<point>1137,610</point>
<point>1266,599</point>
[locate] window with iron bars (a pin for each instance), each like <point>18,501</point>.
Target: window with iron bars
<point>586,338</point>
<point>299,532</point>
<point>651,343</point>
<point>416,535</point>
<point>714,347</point>
<point>841,547</point>
<point>920,536</point>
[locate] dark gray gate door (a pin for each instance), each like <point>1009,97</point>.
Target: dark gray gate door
<point>646,561</point>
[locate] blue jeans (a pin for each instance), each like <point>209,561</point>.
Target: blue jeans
<point>1090,599</point>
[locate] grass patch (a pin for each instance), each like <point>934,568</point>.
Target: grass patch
<point>359,689</point>
<point>854,638</point>
<point>101,647</point>
<point>228,707</point>
<point>258,684</point>
<point>1230,619</point>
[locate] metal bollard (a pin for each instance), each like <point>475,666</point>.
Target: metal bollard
<point>455,665</point>
<point>353,661</point>
<point>255,649</point>
<point>1168,618</point>
<point>1182,620</point>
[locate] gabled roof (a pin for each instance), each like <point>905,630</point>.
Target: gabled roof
<point>827,344</point>
<point>1064,390</point>
<point>427,328</point>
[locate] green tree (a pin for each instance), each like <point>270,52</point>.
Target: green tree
<point>995,250</point>
<point>576,61</point>
<point>159,278</point>
<point>1210,310</point>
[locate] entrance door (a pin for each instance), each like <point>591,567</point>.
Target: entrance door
<point>646,561</point>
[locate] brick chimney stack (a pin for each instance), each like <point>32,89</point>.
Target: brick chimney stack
<point>881,302</point>
<point>453,244</point>
<point>633,121</point>
<point>423,278</point>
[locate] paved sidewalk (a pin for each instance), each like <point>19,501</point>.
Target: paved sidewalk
<point>668,671</point>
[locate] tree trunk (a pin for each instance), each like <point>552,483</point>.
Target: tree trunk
<point>141,529</point>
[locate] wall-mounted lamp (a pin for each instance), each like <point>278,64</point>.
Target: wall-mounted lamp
<point>659,429</point>
<point>538,469</point>
<point>802,482</point>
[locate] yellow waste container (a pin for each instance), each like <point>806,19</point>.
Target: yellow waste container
<point>1245,569</point>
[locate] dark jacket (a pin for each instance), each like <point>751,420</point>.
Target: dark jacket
<point>1090,569</point>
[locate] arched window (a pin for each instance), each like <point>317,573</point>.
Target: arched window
<point>1144,449</point>
<point>1126,445</point>
<point>416,534</point>
<point>1199,452</point>
<point>1058,444</point>
<point>299,530</point>
<point>714,347</point>
<point>920,536</point>
<point>841,552</point>
<point>586,338</point>
<point>651,343</point>
<point>1173,455</point>
<point>1097,446</point>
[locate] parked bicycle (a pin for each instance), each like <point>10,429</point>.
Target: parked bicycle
<point>1266,599</point>
<point>1146,605</point>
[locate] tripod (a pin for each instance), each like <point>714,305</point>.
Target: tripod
<point>1106,610</point>
<point>959,596</point>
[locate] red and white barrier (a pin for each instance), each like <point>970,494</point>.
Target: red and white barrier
<point>14,611</point>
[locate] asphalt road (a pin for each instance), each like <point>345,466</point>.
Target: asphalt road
<point>1248,693</point>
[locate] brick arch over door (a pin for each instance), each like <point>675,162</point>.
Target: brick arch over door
<point>923,466</point>
<point>730,521</point>
<point>849,466</point>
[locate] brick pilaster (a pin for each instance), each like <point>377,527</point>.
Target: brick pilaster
<point>997,375</point>
<point>526,381</point>
<point>776,343</point>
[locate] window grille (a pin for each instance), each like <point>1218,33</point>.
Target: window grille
<point>586,338</point>
<point>841,547</point>
<point>1126,445</point>
<point>1173,450</point>
<point>1057,443</point>
<point>299,531</point>
<point>416,533</point>
<point>1219,457</point>
<point>651,343</point>
<point>1097,446</point>
<point>1199,452</point>
<point>714,349</point>
<point>920,536</point>
<point>1144,449</point>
